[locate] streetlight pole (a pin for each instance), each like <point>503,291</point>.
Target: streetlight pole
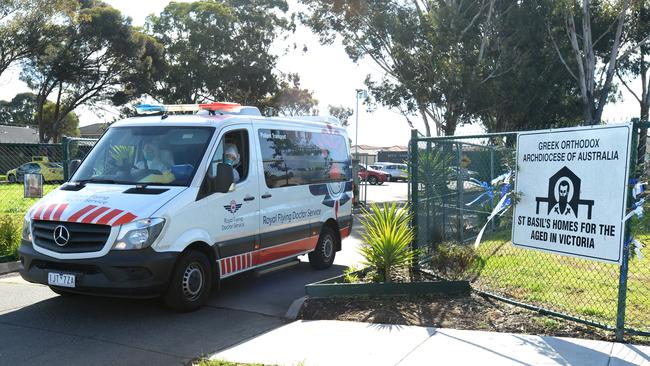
<point>363,94</point>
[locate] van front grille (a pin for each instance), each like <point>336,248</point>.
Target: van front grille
<point>82,237</point>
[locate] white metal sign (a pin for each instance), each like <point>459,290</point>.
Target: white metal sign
<point>572,191</point>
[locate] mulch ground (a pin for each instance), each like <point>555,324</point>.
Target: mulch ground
<point>469,311</point>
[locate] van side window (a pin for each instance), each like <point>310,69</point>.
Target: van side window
<point>232,142</point>
<point>294,158</point>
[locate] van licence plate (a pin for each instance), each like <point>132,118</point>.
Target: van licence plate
<point>60,279</point>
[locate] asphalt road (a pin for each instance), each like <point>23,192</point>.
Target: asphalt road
<point>389,191</point>
<point>39,327</point>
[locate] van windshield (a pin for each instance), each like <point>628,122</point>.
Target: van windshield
<point>157,155</point>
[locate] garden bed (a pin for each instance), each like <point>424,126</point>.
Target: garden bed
<point>468,311</point>
<point>403,283</point>
<point>7,258</point>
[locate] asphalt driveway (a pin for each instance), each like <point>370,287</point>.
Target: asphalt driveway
<point>40,327</point>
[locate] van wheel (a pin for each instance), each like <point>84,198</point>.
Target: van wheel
<point>12,178</point>
<point>323,256</point>
<point>190,284</point>
<point>372,180</point>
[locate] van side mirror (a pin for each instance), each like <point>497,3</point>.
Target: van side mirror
<point>217,180</point>
<point>224,179</point>
<point>73,165</point>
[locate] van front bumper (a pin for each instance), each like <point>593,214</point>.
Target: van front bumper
<point>130,273</point>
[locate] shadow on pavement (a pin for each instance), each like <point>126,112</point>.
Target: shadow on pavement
<point>82,330</point>
<point>272,293</point>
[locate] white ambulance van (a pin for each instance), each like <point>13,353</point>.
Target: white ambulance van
<point>169,205</point>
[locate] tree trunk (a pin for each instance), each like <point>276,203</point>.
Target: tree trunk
<point>643,136</point>
<point>40,103</point>
<point>427,128</point>
<point>644,103</point>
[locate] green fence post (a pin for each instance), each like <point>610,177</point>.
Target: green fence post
<point>459,192</point>
<point>627,237</point>
<point>414,187</point>
<point>492,225</point>
<point>66,157</point>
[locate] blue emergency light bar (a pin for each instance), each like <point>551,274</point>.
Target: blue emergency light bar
<point>149,108</point>
<point>212,108</point>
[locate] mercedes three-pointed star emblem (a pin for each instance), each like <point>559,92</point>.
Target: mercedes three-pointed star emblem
<point>61,235</point>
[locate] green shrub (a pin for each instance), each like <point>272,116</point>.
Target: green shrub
<point>455,261</point>
<point>349,276</point>
<point>387,239</point>
<point>9,235</point>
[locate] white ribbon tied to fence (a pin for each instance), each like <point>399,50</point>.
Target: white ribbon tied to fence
<point>637,209</point>
<point>637,249</point>
<point>499,209</point>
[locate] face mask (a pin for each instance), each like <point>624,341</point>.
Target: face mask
<point>148,155</point>
<point>229,161</point>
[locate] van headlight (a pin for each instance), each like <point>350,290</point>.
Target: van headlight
<point>27,230</point>
<point>138,234</point>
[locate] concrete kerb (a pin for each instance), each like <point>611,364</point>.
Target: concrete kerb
<point>294,308</point>
<point>9,267</point>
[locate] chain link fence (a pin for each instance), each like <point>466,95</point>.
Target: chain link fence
<point>456,183</point>
<point>16,160</point>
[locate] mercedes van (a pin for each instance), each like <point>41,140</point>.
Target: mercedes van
<point>169,205</point>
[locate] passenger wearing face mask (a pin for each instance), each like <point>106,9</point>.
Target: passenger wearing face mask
<point>231,157</point>
<point>153,160</point>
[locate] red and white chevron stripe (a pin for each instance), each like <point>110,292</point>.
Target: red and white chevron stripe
<point>91,214</point>
<point>235,264</point>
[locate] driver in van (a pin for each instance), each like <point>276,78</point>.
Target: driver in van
<point>152,159</point>
<point>156,159</point>
<point>231,157</point>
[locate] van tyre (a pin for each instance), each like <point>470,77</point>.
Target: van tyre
<point>11,178</point>
<point>190,284</point>
<point>323,256</point>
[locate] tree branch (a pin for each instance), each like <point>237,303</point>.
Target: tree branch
<point>557,49</point>
<point>627,86</point>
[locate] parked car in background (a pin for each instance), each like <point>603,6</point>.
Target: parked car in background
<point>396,171</point>
<point>373,176</point>
<point>51,172</point>
<point>465,174</point>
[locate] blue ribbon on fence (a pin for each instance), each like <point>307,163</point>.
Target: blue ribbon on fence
<point>488,195</point>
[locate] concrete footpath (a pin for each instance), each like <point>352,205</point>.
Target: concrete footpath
<point>328,342</point>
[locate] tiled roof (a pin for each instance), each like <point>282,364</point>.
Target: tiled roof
<point>17,134</point>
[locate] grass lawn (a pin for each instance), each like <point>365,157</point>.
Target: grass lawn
<point>12,202</point>
<point>12,210</point>
<point>205,362</point>
<point>574,286</point>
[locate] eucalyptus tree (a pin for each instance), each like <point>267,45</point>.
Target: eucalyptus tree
<point>93,55</point>
<point>218,50</point>
<point>292,100</point>
<point>432,53</point>
<point>595,31</point>
<point>341,112</point>
<point>24,28</point>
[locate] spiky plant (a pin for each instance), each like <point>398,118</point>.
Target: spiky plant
<point>387,238</point>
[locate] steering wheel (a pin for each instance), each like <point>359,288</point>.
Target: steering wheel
<point>141,173</point>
